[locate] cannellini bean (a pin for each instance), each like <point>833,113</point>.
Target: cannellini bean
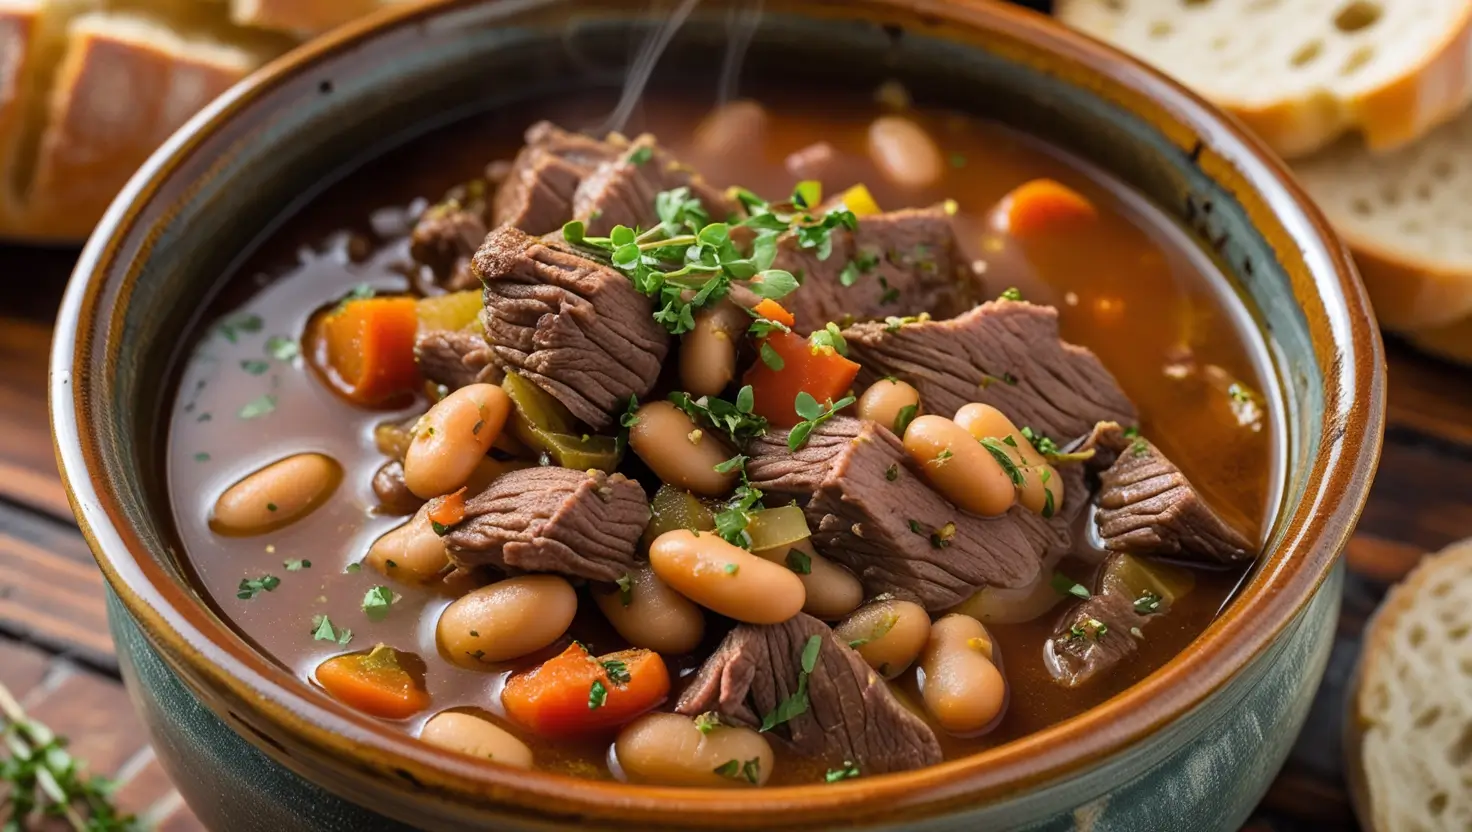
<point>277,495</point>
<point>959,467</point>
<point>471,735</point>
<point>655,617</point>
<point>1041,491</point>
<point>726,578</point>
<point>679,452</point>
<point>671,750</point>
<point>960,682</point>
<point>411,552</point>
<point>452,438</point>
<point>507,619</point>
<point>733,129</point>
<point>708,352</point>
<point>904,152</point>
<point>889,634</point>
<point>832,591</point>
<point>886,400</point>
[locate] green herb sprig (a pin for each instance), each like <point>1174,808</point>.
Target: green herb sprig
<point>813,415</point>
<point>797,704</point>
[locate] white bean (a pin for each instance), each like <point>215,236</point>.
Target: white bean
<point>277,495</point>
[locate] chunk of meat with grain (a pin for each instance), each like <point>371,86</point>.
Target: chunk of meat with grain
<point>1004,353</point>
<point>583,524</point>
<point>575,328</point>
<point>394,496</point>
<point>537,193</point>
<point>445,238</point>
<point>894,264</point>
<point>622,190</point>
<point>870,511</point>
<point>1148,507</point>
<point>455,358</point>
<point>851,714</point>
<point>1098,633</point>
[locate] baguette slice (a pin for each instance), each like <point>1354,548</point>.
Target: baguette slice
<point>1407,215</point>
<point>1411,733</point>
<point>1302,72</point>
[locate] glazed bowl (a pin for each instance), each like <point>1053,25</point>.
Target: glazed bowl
<point>1193,746</point>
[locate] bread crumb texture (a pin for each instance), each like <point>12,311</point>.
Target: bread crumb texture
<point>1414,703</point>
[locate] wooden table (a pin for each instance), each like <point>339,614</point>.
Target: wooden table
<point>56,656</point>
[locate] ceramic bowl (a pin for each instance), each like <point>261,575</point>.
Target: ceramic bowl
<point>1193,746</point>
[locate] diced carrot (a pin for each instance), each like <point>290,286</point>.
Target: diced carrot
<point>1043,205</point>
<point>374,683</point>
<point>816,370</point>
<point>772,310</point>
<point>576,694</point>
<point>369,345</point>
<point>449,509</point>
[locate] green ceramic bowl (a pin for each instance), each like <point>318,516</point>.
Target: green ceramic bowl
<point>1191,747</point>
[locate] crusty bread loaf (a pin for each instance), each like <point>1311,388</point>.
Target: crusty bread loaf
<point>1411,727</point>
<point>1302,72</point>
<point>1407,215</point>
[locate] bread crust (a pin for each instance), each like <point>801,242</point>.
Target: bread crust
<point>1410,297</point>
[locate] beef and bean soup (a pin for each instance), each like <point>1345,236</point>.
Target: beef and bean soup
<point>755,446</point>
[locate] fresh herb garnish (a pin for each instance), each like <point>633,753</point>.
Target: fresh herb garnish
<point>255,366</point>
<point>915,526</point>
<point>362,291</point>
<point>903,419</point>
<point>597,695</point>
<point>770,357</point>
<point>750,771</point>
<point>1011,293</point>
<point>848,771</point>
<point>732,521</point>
<point>732,464</point>
<point>257,407</point>
<point>282,348</point>
<point>892,473</point>
<point>735,420</point>
<point>376,602</point>
<point>322,630</point>
<point>1131,432</point>
<point>707,722</point>
<point>641,155</point>
<point>1148,604</point>
<point>233,327</point>
<point>1089,628</point>
<point>880,631</point>
<point>296,565</point>
<point>730,768</point>
<point>251,587</point>
<point>796,704</point>
<point>813,415</point>
<point>1065,585</point>
<point>799,561</point>
<point>941,537</point>
<point>1051,450</point>
<point>1239,393</point>
<point>201,457</point>
<point>893,324</point>
<point>1004,459</point>
<point>630,415</point>
<point>439,528</point>
<point>731,568</point>
<point>1140,447</point>
<point>625,590</point>
<point>1049,508</point>
<point>618,671</point>
<point>830,336</point>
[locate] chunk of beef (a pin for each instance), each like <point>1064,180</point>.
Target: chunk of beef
<point>537,193</point>
<point>575,328</point>
<point>394,496</point>
<point>852,715</point>
<point>1004,353</point>
<point>455,358</point>
<point>904,263</point>
<point>779,472</point>
<point>622,191</point>
<point>1148,507</point>
<point>583,524</point>
<point>445,238</point>
<point>1097,633</point>
<point>816,161</point>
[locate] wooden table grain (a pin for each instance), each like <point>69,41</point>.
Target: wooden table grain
<point>56,656</point>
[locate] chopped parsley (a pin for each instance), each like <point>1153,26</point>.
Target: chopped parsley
<point>1089,628</point>
<point>439,528</point>
<point>597,695</point>
<point>892,473</point>
<point>251,587</point>
<point>641,155</point>
<point>732,521</point>
<point>893,324</point>
<point>1140,447</point>
<point>999,452</point>
<point>750,771</point>
<point>813,415</point>
<point>1148,604</point>
<point>941,537</point>
<point>630,415</point>
<point>297,565</point>
<point>246,324</point>
<point>860,265</point>
<point>1131,432</point>
<point>1239,393</point>
<point>362,291</point>
<point>270,506</point>
<point>731,568</point>
<point>201,457</point>
<point>797,704</point>
<point>830,336</point>
<point>376,602</point>
<point>770,357</point>
<point>255,366</point>
<point>903,419</point>
<point>282,348</point>
<point>708,721</point>
<point>848,771</point>
<point>625,590</point>
<point>257,407</point>
<point>736,420</point>
<point>618,671</point>
<point>1011,294</point>
<point>943,457</point>
<point>915,526</point>
<point>880,631</point>
<point>322,630</point>
<point>735,463</point>
<point>1065,585</point>
<point>799,561</point>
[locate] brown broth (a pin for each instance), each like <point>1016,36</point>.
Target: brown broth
<point>1132,288</point>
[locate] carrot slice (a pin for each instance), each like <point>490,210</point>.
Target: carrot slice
<point>772,310</point>
<point>1041,206</point>
<point>374,683</point>
<point>449,509</point>
<point>789,365</point>
<point>370,348</point>
<point>576,694</point>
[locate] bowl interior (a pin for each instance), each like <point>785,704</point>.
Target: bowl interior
<point>241,168</point>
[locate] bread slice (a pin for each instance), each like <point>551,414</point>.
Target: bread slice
<point>301,17</point>
<point>1302,72</point>
<point>95,92</point>
<point>1411,732</point>
<point>1407,215</point>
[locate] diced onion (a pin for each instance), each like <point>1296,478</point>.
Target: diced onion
<point>775,527</point>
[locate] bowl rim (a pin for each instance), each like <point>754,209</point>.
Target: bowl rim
<point>215,663</point>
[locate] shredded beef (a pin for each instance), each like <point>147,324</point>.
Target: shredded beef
<point>455,358</point>
<point>852,715</point>
<point>1148,507</point>
<point>1004,353</point>
<point>575,523</point>
<point>575,328</point>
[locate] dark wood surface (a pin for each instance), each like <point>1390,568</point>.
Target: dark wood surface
<point>55,653</point>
